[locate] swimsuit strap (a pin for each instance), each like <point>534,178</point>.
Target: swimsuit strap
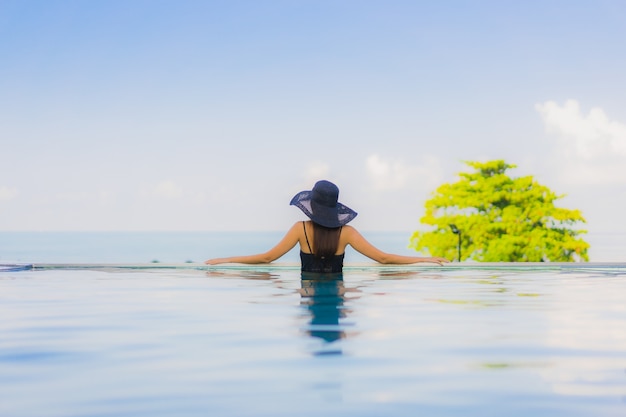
<point>307,238</point>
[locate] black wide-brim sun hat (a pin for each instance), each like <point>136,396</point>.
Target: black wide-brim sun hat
<point>321,205</point>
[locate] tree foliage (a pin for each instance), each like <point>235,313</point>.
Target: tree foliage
<point>500,219</point>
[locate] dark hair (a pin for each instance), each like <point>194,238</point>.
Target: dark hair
<point>325,240</point>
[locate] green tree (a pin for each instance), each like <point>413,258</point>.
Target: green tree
<point>501,219</point>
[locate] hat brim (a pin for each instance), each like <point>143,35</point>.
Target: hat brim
<point>325,216</point>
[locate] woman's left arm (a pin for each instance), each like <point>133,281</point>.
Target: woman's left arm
<point>362,246</point>
<point>285,245</point>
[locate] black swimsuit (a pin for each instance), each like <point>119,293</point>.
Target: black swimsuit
<point>311,263</point>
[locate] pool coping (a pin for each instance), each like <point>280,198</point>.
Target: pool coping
<point>295,266</point>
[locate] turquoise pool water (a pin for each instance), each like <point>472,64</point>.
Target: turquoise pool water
<point>263,342</point>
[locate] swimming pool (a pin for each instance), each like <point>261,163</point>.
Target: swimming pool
<point>183,340</point>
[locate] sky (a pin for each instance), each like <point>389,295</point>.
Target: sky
<point>210,115</point>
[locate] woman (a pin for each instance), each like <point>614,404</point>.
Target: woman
<point>324,238</point>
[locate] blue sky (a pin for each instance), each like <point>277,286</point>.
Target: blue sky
<point>211,115</point>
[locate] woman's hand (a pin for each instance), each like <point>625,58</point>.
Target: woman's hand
<point>215,261</point>
<point>436,260</point>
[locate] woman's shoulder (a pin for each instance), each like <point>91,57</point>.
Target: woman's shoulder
<point>301,222</point>
<point>348,231</point>
<point>299,227</point>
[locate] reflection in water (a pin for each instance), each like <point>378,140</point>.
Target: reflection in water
<point>324,298</point>
<point>398,275</point>
<point>255,275</point>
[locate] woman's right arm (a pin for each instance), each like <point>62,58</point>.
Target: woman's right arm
<point>284,246</point>
<point>361,245</point>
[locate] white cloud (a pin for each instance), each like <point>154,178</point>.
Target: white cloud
<point>591,148</point>
<point>7,193</point>
<point>395,174</point>
<point>167,190</point>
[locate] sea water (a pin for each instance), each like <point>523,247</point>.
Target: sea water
<point>263,341</point>
<point>145,247</point>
